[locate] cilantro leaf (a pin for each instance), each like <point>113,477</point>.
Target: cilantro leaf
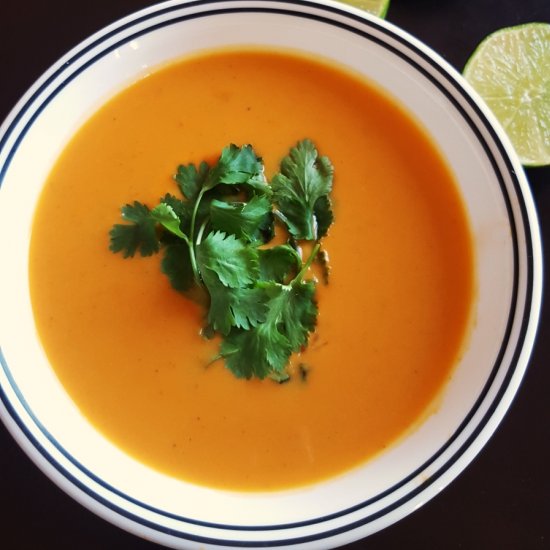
<point>235,165</point>
<point>139,235</point>
<point>257,185</point>
<point>324,216</point>
<point>245,220</point>
<point>176,265</point>
<point>164,214</point>
<point>234,307</point>
<point>266,348</point>
<point>182,209</point>
<point>249,307</point>
<point>300,314</point>
<point>304,180</point>
<point>278,262</point>
<point>190,180</point>
<point>232,260</point>
<point>228,268</point>
<point>257,352</point>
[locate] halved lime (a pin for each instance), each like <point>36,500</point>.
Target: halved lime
<point>510,69</point>
<point>376,7</point>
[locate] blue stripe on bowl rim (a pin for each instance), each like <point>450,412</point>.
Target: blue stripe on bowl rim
<point>450,87</point>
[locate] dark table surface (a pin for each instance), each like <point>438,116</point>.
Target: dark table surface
<point>501,501</point>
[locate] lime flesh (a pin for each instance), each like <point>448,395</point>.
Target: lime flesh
<point>376,7</point>
<point>510,70</point>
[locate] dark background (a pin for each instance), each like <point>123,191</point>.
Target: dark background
<point>501,501</point>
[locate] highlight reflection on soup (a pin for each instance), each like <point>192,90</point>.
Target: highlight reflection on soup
<point>392,319</point>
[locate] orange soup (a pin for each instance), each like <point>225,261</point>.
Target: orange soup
<point>392,318</point>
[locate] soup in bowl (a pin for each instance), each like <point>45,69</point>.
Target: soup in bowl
<point>423,323</point>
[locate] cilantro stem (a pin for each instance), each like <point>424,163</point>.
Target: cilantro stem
<point>281,217</point>
<point>193,245</point>
<point>313,228</point>
<point>309,261</point>
<point>201,231</point>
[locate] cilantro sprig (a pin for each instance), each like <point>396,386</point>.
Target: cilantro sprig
<point>216,238</point>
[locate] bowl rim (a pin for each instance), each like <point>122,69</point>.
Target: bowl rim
<point>348,18</point>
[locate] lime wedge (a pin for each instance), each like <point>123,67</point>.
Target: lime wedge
<point>376,7</point>
<point>510,69</point>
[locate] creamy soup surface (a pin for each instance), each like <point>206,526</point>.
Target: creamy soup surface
<point>392,319</point>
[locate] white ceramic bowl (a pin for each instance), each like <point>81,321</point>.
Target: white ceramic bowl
<point>49,427</point>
